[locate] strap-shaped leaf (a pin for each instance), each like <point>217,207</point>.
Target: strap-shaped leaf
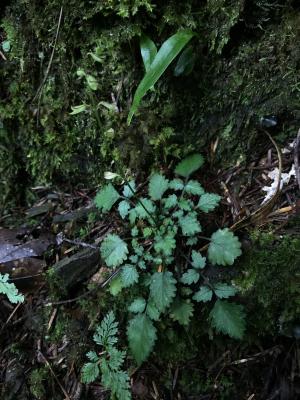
<point>113,250</point>
<point>141,336</point>
<point>166,54</point>
<point>224,247</point>
<point>148,51</point>
<point>228,318</point>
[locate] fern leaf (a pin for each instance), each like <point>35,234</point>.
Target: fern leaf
<point>162,289</point>
<point>10,290</point>
<point>106,198</point>
<point>90,372</point>
<point>141,336</point>
<point>92,356</point>
<point>106,332</point>
<point>157,186</point>
<point>113,250</point>
<point>224,247</point>
<point>228,318</point>
<point>189,165</point>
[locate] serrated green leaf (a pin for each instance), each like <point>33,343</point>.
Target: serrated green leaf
<point>92,82</point>
<point>10,290</point>
<point>182,311</point>
<point>106,198</point>
<point>170,201</point>
<point>90,372</point>
<point>162,289</point>
<point>129,275</point>
<point>166,54</point>
<point>130,189</point>
<point>158,184</point>
<point>124,208</point>
<point>143,204</point>
<point>190,277</point>
<point>204,294</point>
<point>192,241</point>
<point>198,261</point>
<point>137,306</point>
<point>189,225</point>
<point>152,311</point>
<point>194,187</point>
<point>115,286</point>
<point>224,247</point>
<point>228,318</point>
<point>208,202</point>
<point>189,165</point>
<point>223,291</point>
<point>176,184</point>
<point>141,336</point>
<point>147,232</point>
<point>113,250</point>
<point>148,51</point>
<point>165,244</point>
<point>185,204</point>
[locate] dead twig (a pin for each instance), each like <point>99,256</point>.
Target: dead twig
<point>296,158</point>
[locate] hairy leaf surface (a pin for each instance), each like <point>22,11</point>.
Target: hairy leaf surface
<point>162,289</point>
<point>106,198</point>
<point>113,250</point>
<point>228,318</point>
<point>224,247</point>
<point>141,336</point>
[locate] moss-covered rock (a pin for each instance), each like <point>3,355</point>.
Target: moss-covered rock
<point>247,65</point>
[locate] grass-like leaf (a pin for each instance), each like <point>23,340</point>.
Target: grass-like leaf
<point>148,51</point>
<point>228,318</point>
<point>166,54</point>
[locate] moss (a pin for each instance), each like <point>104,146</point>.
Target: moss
<point>270,283</point>
<point>247,65</point>
<point>37,380</point>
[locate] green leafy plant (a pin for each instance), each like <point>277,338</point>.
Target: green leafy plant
<point>160,255</point>
<point>10,290</point>
<point>109,362</point>
<point>156,62</point>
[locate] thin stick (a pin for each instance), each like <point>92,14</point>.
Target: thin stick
<point>296,158</point>
<point>54,376</point>
<point>39,91</point>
